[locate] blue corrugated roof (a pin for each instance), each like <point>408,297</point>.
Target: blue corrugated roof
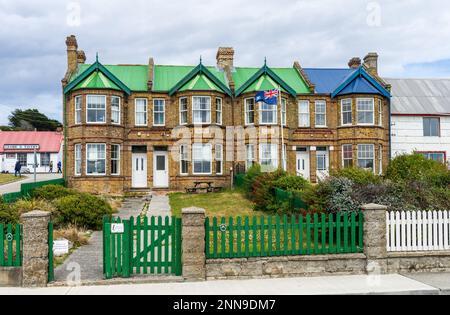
<point>328,80</point>
<point>359,86</point>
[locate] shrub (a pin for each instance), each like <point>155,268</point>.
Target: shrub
<point>26,205</point>
<point>262,192</point>
<point>416,167</point>
<point>82,210</point>
<point>8,214</point>
<point>78,237</point>
<point>291,183</point>
<point>52,192</point>
<point>250,177</point>
<point>336,194</point>
<point>358,175</point>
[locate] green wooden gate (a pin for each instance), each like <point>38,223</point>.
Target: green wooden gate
<point>141,246</point>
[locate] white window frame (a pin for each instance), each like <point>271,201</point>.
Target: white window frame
<point>117,159</point>
<point>304,114</point>
<point>247,111</point>
<point>87,109</point>
<point>183,111</point>
<point>249,155</point>
<point>270,108</point>
<point>203,145</point>
<point>87,159</point>
<point>144,112</point>
<point>184,149</point>
<point>273,156</point>
<point>346,102</point>
<point>284,157</point>
<point>380,113</point>
<point>163,112</point>
<point>219,110</point>
<point>365,111</point>
<point>118,111</point>
<point>325,155</point>
<point>218,152</point>
<point>78,109</point>
<point>283,112</point>
<point>201,110</point>
<point>78,158</point>
<point>316,114</point>
<point>364,157</point>
<point>380,159</point>
<point>343,155</point>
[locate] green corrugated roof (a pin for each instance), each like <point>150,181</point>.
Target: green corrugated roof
<point>97,80</point>
<point>200,83</point>
<point>135,77</point>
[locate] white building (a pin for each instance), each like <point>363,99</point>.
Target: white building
<point>421,117</point>
<point>19,146</point>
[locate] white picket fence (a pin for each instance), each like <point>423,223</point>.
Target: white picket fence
<point>417,230</point>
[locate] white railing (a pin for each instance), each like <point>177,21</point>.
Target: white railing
<point>417,231</point>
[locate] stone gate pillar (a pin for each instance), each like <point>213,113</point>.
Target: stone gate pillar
<point>35,248</point>
<point>375,242</point>
<point>193,244</point>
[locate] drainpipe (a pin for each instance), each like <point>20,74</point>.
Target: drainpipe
<point>65,138</point>
<point>390,129</point>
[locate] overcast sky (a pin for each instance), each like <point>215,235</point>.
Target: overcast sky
<point>411,36</point>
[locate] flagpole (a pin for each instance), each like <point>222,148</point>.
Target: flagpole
<point>282,129</point>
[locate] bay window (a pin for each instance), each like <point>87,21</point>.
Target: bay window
<point>380,112</point>
<point>159,112</point>
<point>219,159</point>
<point>115,110</point>
<point>347,155</point>
<point>304,120</point>
<point>184,162</point>
<point>249,111</point>
<point>218,111</point>
<point>267,114</point>
<point>321,113</point>
<point>202,158</point>
<point>115,159</point>
<point>268,156</point>
<point>140,108</point>
<point>96,109</point>
<point>201,109</point>
<point>283,112</point>
<point>322,159</point>
<point>365,109</point>
<point>346,112</point>
<point>78,109</point>
<point>250,156</point>
<point>77,170</point>
<point>96,159</point>
<point>183,111</point>
<point>366,156</point>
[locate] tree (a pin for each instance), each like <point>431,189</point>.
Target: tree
<point>31,119</point>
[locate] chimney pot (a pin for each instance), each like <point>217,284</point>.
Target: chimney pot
<point>81,57</point>
<point>371,63</point>
<point>354,63</point>
<point>225,57</point>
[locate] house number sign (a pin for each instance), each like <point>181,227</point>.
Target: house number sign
<point>117,228</point>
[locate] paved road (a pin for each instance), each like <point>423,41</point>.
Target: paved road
<point>386,284</point>
<point>15,187</point>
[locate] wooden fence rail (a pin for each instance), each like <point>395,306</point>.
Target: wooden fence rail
<point>283,236</point>
<point>418,231</point>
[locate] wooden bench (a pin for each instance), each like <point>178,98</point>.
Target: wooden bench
<point>207,187</point>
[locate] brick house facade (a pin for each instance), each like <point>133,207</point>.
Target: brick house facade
<point>133,127</point>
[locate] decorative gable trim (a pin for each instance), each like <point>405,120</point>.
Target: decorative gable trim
<point>200,69</point>
<point>97,66</point>
<point>265,70</point>
<point>361,73</point>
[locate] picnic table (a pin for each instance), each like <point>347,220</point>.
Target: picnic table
<point>199,186</point>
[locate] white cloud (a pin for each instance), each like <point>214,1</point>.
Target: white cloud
<point>318,33</point>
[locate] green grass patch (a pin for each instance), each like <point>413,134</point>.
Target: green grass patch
<point>224,204</point>
<point>9,178</point>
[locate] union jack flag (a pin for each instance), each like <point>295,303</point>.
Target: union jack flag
<point>269,97</point>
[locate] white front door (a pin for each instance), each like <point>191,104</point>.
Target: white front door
<point>303,163</point>
<point>161,169</point>
<point>323,163</point>
<point>139,174</point>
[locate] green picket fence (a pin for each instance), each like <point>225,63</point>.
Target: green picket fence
<point>27,189</point>
<point>51,268</point>
<point>10,245</point>
<point>283,236</point>
<point>294,199</point>
<point>145,247</point>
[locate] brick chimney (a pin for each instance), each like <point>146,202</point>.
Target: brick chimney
<point>72,53</point>
<point>354,63</point>
<point>151,67</point>
<point>81,57</point>
<point>225,57</point>
<point>371,63</point>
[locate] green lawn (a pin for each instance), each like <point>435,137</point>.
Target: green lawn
<point>8,178</point>
<point>227,203</point>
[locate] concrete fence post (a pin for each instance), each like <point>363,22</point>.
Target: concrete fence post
<point>375,243</point>
<point>193,244</point>
<point>35,248</point>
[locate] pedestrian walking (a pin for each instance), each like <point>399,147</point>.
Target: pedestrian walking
<point>51,167</point>
<point>17,169</point>
<point>59,167</point>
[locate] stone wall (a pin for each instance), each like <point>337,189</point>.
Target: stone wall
<point>412,262</point>
<point>286,266</point>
